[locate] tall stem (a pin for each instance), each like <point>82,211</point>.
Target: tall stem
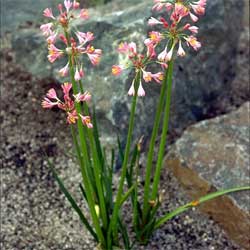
<point>113,224</point>
<point>164,133</point>
<point>152,144</point>
<point>97,167</point>
<point>87,184</point>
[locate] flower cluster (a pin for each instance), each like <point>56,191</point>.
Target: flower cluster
<point>75,46</point>
<point>176,30</point>
<point>139,62</point>
<point>68,105</point>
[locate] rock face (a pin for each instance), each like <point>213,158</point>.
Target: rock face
<point>199,80</point>
<point>214,155</point>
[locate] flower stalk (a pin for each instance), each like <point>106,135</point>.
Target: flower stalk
<point>89,190</point>
<point>149,165</point>
<point>164,132</point>
<point>113,223</point>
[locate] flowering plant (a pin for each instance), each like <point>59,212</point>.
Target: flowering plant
<point>107,226</point>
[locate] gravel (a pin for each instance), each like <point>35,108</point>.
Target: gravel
<point>34,213</point>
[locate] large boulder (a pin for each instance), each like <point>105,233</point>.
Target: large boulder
<point>214,155</point>
<point>199,80</point>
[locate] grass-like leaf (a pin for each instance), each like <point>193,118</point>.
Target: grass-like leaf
<point>126,195</point>
<point>196,203</point>
<point>72,201</point>
<point>124,234</point>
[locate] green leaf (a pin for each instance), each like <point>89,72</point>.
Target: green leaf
<point>130,172</point>
<point>126,195</point>
<point>124,234</point>
<point>197,202</point>
<point>96,137</point>
<point>120,148</point>
<point>112,163</point>
<point>72,201</point>
<point>83,192</point>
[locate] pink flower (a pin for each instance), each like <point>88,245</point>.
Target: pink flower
<point>179,12</point>
<point>54,53</point>
<point>117,70</point>
<point>147,76</point>
<point>151,43</point>
<point>163,65</point>
<point>48,104</point>
<point>67,4</point>
<point>123,47</point>
<point>64,71</point>
<point>193,17</point>
<point>48,13</point>
<point>68,105</point>
<point>163,55</point>
<point>46,29</point>
<point>131,90</point>
<point>141,91</point>
<point>76,5</point>
<point>192,41</point>
<point>158,77</point>
<point>155,36</point>
<point>66,89</point>
<point>164,22</point>
<point>94,55</point>
<point>198,9</point>
<point>85,97</point>
<point>153,21</point>
<point>181,51</point>
<point>84,14</point>
<point>132,47</point>
<point>86,121</point>
<point>84,37</point>
<point>52,38</point>
<point>52,94</point>
<point>202,3</point>
<point>194,29</point>
<point>60,8</point>
<point>150,48</point>
<point>79,74</point>
<point>170,54</point>
<point>72,117</point>
<point>160,4</point>
<point>63,39</point>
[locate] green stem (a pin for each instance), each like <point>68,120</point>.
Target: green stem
<point>152,144</point>
<point>164,132</point>
<point>97,167</point>
<point>113,223</point>
<point>89,189</point>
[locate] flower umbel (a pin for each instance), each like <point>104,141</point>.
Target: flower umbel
<point>76,44</point>
<point>68,104</point>
<point>175,30</point>
<point>138,62</point>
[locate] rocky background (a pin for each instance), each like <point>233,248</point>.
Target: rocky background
<point>207,84</point>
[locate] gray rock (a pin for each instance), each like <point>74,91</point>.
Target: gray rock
<point>214,155</point>
<point>18,13</point>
